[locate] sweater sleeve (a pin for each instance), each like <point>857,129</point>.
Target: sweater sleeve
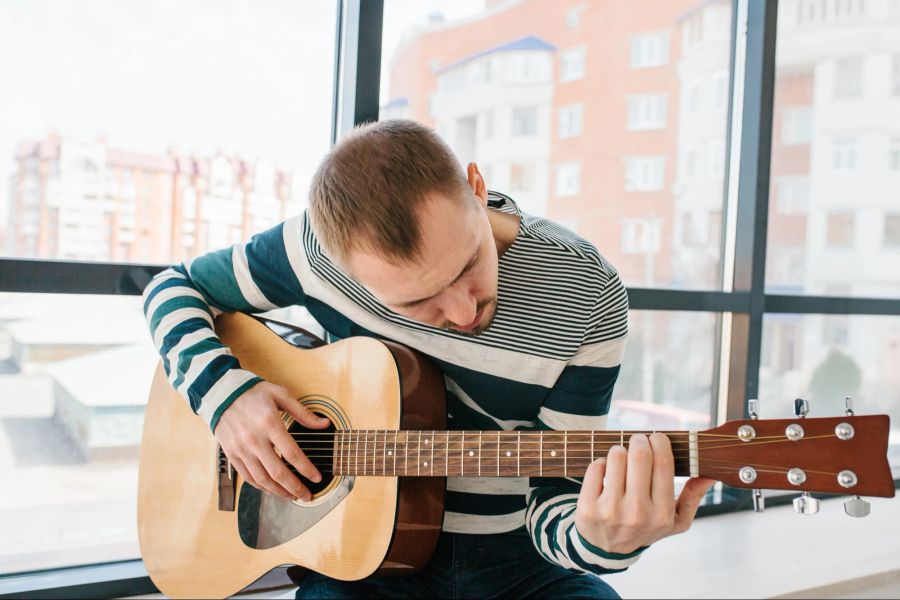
<point>580,399</point>
<point>181,302</point>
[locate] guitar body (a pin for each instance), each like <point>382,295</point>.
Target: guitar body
<point>193,547</point>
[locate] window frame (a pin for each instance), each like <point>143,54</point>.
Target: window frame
<point>741,301</point>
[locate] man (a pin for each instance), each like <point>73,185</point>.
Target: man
<point>527,321</point>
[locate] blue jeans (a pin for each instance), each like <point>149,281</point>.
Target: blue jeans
<point>470,566</point>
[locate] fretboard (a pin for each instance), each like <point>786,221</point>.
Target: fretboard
<point>546,453</point>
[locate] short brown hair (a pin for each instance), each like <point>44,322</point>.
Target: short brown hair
<point>369,188</point>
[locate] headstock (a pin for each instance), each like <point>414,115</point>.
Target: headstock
<point>838,455</point>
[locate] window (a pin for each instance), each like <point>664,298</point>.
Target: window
<point>641,236</point>
<point>892,230</point>
<point>524,121</point>
<point>792,196</point>
<point>721,90</point>
<point>796,125</point>
<point>895,79</point>
<point>650,50</point>
<point>716,150</point>
<point>569,120</point>
<point>647,111</point>
<point>894,155</point>
<point>521,177</point>
<point>844,155</point>
<point>488,117</point>
<point>848,77</point>
<point>572,65</point>
<point>644,173</point>
<point>573,15</point>
<point>840,233</point>
<point>692,97</point>
<point>568,179</point>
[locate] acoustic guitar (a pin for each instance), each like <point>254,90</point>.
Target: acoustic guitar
<point>205,533</point>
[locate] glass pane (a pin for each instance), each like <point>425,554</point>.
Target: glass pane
<point>618,108</point>
<point>826,357</point>
<point>834,200</point>
<point>666,380</point>
<point>72,398</point>
<point>155,131</point>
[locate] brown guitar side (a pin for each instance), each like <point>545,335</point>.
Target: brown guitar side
<point>192,549</point>
<point>420,507</point>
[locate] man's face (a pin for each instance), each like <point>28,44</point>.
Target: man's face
<point>454,283</point>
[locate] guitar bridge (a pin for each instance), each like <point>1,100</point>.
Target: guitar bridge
<point>226,479</point>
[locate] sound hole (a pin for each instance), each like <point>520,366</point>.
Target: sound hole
<point>318,446</point>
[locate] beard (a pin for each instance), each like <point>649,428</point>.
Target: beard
<point>486,320</point>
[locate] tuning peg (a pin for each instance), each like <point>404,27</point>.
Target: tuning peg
<point>753,408</point>
<point>759,501</point>
<point>848,406</point>
<point>806,504</point>
<point>801,408</point>
<point>857,507</point>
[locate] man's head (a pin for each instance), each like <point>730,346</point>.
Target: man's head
<point>391,206</point>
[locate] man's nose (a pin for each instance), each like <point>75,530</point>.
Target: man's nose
<point>460,306</point>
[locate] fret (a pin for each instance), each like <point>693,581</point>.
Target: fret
<point>374,452</point>
<point>498,454</point>
<point>541,452</point>
<point>592,445</point>
<point>356,455</point>
<point>406,454</point>
<point>462,454</point>
<point>396,434</point>
<point>479,453</point>
<point>336,453</point>
<point>519,454</point>
<point>566,453</point>
<point>447,456</point>
<point>419,455</point>
<point>432,452</point>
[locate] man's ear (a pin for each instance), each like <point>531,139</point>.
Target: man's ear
<point>476,182</point>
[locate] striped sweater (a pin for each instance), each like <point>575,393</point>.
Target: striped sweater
<point>549,360</point>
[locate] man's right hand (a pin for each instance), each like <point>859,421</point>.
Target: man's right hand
<point>251,429</point>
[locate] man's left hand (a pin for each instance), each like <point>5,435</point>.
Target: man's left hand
<point>627,500</point>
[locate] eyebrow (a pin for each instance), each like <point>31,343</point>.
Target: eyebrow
<point>465,269</point>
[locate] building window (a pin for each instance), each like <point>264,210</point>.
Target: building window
<point>647,111</point>
<point>840,232</point>
<point>573,15</point>
<point>716,150</point>
<point>571,65</point>
<point>568,179</point>
<point>644,173</point>
<point>692,97</point>
<point>650,50</point>
<point>844,155</point>
<point>892,230</point>
<point>569,120</point>
<point>641,236</point>
<point>895,80</point>
<point>796,125</point>
<point>894,155</point>
<point>524,121</point>
<point>848,77</point>
<point>521,177</point>
<point>721,91</point>
<point>792,196</point>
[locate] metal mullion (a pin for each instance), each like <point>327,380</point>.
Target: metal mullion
<point>358,72</point>
<point>25,275</point>
<point>742,332</point>
<point>828,305</point>
<point>687,300</point>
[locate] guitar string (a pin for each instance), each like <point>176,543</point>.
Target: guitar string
<point>606,445</point>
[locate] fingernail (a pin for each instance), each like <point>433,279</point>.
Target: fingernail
<point>317,478</point>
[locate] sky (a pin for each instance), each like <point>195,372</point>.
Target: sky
<point>253,78</point>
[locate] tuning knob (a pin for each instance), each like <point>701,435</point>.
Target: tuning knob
<point>848,406</point>
<point>806,504</point>
<point>759,501</point>
<point>753,408</point>
<point>857,507</point>
<point>801,408</point>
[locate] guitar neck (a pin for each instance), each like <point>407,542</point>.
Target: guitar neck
<point>547,453</point>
